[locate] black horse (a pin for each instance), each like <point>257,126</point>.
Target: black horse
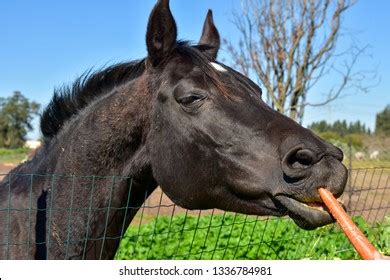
<point>177,119</point>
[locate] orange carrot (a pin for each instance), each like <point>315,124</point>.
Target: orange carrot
<point>362,245</point>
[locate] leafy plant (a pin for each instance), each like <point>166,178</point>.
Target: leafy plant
<point>236,236</point>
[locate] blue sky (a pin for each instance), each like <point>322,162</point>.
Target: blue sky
<point>44,44</point>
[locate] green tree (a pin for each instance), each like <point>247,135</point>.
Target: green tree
<point>341,128</point>
<point>321,126</point>
<point>382,125</point>
<point>16,115</point>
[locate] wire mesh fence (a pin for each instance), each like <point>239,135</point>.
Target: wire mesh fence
<point>91,218</point>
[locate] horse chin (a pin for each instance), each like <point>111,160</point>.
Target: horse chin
<point>306,215</point>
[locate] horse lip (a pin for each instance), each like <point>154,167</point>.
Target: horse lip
<point>304,216</point>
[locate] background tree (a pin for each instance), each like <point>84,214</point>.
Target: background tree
<point>289,45</point>
<point>341,128</point>
<point>382,124</point>
<point>16,115</point>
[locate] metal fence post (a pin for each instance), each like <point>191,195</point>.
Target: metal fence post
<point>350,192</point>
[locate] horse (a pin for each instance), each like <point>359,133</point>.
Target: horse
<point>178,119</point>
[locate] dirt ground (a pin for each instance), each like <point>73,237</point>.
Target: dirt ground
<point>367,194</point>
<point>4,169</point>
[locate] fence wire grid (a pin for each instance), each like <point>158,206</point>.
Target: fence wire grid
<point>162,230</point>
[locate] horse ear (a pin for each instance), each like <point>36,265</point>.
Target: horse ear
<point>210,36</point>
<point>161,33</point>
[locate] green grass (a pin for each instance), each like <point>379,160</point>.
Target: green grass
<point>12,156</point>
<point>233,236</point>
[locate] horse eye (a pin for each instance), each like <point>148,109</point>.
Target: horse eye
<point>191,99</point>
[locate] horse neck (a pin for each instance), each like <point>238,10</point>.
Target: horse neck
<point>108,138</point>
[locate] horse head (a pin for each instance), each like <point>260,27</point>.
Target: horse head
<point>213,143</point>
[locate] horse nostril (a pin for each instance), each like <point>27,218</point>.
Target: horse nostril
<point>305,157</point>
<point>296,163</point>
<point>301,158</point>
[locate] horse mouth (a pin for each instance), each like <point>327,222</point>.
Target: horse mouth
<point>308,215</point>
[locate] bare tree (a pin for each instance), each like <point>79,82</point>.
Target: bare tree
<point>289,45</point>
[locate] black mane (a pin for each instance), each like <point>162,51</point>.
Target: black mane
<point>67,101</point>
